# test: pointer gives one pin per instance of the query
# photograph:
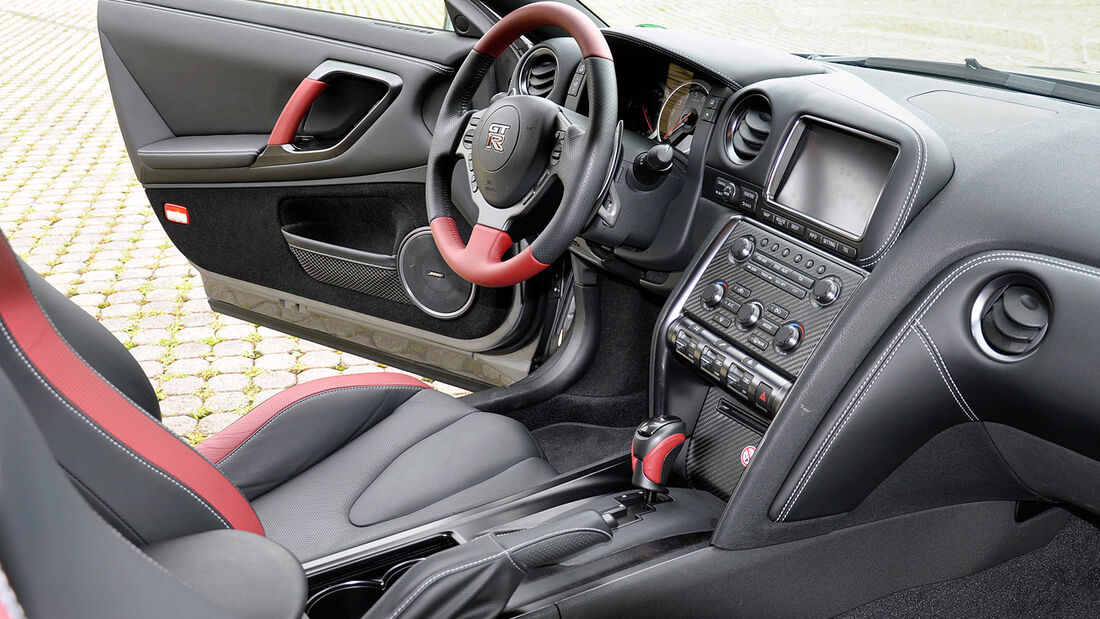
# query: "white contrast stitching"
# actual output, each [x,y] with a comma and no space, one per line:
[303,401]
[921,311]
[945,372]
[423,586]
[110,438]
[835,432]
[939,370]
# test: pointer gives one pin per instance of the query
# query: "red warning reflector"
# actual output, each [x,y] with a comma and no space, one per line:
[747,454]
[176,214]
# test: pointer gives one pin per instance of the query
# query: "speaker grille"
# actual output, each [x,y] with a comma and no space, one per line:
[365,278]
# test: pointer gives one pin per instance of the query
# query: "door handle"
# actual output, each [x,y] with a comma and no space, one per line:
[294,112]
[280,148]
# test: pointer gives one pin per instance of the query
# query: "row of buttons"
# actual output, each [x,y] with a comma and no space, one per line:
[831,244]
[797,259]
[781,283]
[727,365]
[728,192]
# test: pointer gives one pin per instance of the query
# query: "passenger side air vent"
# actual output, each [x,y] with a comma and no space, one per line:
[538,73]
[1011,317]
[749,128]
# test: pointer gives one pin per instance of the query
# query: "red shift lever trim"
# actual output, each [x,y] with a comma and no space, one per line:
[654,461]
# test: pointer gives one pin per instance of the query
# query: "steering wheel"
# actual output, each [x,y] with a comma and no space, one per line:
[514,148]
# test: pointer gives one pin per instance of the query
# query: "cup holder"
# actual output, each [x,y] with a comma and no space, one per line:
[353,598]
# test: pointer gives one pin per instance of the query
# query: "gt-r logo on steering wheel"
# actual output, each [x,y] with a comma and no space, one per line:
[496,136]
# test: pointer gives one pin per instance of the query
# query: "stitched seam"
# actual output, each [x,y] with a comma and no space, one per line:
[493,537]
[933,297]
[939,370]
[79,482]
[910,196]
[61,336]
[431,66]
[837,428]
[945,372]
[420,589]
[102,432]
[646,43]
[303,401]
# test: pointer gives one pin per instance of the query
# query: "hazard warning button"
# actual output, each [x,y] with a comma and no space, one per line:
[763,396]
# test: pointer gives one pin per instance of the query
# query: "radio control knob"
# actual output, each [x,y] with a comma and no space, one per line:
[750,314]
[789,336]
[742,248]
[826,290]
[714,294]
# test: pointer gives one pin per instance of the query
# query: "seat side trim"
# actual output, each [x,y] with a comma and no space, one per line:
[53,359]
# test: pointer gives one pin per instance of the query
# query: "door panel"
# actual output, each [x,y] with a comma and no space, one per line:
[301,230]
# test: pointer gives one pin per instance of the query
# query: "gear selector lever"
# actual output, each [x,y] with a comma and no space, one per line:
[657,442]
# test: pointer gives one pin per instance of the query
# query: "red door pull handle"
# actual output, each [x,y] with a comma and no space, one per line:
[295,111]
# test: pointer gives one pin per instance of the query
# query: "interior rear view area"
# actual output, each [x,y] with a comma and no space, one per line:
[730,331]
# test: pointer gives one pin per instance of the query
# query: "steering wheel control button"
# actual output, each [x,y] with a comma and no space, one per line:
[789,336]
[827,290]
[749,315]
[742,249]
[714,294]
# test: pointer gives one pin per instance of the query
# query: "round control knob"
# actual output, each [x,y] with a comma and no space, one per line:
[742,248]
[789,336]
[750,314]
[826,290]
[714,294]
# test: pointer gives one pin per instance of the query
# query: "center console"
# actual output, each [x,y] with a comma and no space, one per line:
[753,310]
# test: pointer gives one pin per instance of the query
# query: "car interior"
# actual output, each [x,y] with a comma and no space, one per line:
[746,333]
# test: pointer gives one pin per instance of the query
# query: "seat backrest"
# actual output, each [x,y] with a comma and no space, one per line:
[60,558]
[99,417]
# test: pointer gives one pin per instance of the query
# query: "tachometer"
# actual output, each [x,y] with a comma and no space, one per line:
[681,108]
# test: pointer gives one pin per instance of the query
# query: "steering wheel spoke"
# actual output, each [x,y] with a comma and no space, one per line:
[516,150]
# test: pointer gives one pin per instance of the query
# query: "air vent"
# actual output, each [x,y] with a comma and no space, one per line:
[749,129]
[538,73]
[1011,317]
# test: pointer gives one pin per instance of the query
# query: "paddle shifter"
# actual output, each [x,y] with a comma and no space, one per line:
[657,442]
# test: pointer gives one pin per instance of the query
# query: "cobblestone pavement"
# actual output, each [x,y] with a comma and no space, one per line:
[72,208]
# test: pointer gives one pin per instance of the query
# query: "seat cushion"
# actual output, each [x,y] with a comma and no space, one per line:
[432,457]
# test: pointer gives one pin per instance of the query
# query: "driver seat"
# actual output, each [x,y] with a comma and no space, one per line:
[321,467]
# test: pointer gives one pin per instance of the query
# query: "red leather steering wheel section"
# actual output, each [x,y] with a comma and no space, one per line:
[526,18]
[479,260]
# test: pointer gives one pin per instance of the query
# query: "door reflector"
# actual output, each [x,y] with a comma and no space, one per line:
[176,213]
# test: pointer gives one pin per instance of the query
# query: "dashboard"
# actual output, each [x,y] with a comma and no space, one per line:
[842,249]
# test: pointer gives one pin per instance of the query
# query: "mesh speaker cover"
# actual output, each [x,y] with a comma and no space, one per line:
[427,279]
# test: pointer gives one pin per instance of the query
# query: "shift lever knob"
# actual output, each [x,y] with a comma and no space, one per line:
[657,442]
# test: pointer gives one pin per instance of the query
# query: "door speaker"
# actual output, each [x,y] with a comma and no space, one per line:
[429,282]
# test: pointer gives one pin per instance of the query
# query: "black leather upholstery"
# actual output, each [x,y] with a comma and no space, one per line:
[430,458]
[62,560]
[336,468]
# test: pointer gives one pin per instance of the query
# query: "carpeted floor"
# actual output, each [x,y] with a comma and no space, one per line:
[1061,579]
[569,446]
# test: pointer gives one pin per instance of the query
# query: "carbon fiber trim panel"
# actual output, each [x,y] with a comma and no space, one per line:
[714,453]
[803,260]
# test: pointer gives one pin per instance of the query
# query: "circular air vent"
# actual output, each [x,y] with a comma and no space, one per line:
[538,73]
[1011,317]
[748,129]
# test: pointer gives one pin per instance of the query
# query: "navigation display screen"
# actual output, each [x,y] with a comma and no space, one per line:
[836,177]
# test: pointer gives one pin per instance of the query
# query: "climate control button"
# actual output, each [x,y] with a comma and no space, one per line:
[750,314]
[714,294]
[789,336]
